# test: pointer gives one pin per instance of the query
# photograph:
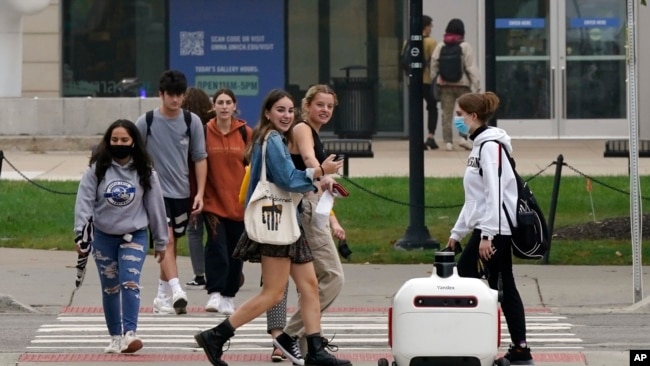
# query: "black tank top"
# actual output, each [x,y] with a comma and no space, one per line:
[319,151]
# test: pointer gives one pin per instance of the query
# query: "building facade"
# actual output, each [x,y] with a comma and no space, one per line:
[560,66]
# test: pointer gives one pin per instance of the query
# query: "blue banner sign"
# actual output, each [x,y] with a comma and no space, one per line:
[595,22]
[229,44]
[520,23]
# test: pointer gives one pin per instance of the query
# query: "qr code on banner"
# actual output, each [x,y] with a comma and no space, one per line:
[192,44]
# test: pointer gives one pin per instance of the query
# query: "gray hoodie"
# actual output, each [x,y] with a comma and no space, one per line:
[119,205]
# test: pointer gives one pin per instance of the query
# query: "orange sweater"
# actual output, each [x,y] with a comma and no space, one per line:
[225,170]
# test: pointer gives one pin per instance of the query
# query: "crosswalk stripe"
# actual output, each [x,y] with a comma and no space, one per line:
[360,332]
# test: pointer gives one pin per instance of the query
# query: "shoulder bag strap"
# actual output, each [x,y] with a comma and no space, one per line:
[263,175]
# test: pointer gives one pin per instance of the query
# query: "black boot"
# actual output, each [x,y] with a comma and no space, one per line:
[318,356]
[212,341]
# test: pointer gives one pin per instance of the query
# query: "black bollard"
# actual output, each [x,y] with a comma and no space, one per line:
[2,157]
[554,195]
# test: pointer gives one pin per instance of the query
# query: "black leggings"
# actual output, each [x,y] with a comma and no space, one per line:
[432,108]
[501,262]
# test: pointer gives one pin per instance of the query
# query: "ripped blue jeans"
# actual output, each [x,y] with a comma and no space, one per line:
[119,265]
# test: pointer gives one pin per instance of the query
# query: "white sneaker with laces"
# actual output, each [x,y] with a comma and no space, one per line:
[131,343]
[115,346]
[179,302]
[213,303]
[226,307]
[162,305]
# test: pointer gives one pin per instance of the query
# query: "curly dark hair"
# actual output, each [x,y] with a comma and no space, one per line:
[142,162]
[198,102]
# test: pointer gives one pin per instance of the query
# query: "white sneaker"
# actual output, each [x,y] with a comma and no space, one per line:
[131,343]
[179,302]
[213,303]
[162,305]
[465,143]
[449,146]
[115,346]
[226,307]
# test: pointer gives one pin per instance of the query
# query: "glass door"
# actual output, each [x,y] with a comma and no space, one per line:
[593,71]
[560,68]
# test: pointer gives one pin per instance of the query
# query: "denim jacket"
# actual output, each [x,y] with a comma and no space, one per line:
[279,167]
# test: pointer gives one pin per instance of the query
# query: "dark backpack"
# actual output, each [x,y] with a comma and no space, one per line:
[530,239]
[405,57]
[188,122]
[450,63]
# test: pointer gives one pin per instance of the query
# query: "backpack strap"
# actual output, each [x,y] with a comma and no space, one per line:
[187,115]
[480,170]
[149,118]
[243,133]
[500,171]
[188,122]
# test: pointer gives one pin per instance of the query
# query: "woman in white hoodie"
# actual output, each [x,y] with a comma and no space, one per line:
[490,190]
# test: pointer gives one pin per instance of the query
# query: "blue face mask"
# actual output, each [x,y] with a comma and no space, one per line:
[459,123]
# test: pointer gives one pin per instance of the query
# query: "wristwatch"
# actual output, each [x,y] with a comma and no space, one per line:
[487,237]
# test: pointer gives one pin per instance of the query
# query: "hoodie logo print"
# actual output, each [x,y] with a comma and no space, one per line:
[119,193]
[473,161]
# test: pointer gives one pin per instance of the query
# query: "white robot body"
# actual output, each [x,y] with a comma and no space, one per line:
[445,321]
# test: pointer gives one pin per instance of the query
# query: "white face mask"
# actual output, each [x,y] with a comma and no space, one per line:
[461,126]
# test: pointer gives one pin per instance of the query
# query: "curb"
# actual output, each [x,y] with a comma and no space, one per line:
[10,305]
[48,143]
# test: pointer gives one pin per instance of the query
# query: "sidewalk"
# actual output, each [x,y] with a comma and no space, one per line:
[43,280]
[391,159]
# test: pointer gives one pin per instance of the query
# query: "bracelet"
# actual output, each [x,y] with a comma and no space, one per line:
[322,170]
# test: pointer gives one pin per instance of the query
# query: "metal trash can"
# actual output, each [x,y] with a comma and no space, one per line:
[356,114]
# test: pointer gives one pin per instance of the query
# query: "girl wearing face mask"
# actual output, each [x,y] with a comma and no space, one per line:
[490,190]
[278,262]
[121,192]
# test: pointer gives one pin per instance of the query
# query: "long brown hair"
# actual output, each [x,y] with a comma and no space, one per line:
[198,102]
[264,125]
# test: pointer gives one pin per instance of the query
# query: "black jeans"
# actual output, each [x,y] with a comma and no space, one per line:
[501,262]
[222,271]
[432,108]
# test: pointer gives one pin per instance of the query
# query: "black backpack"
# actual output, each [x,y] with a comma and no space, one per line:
[405,57]
[188,122]
[450,63]
[530,239]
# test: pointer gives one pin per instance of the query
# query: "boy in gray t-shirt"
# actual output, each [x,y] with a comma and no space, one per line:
[173,145]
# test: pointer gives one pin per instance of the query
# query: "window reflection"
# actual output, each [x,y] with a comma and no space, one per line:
[523,59]
[595,67]
[106,41]
[523,88]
